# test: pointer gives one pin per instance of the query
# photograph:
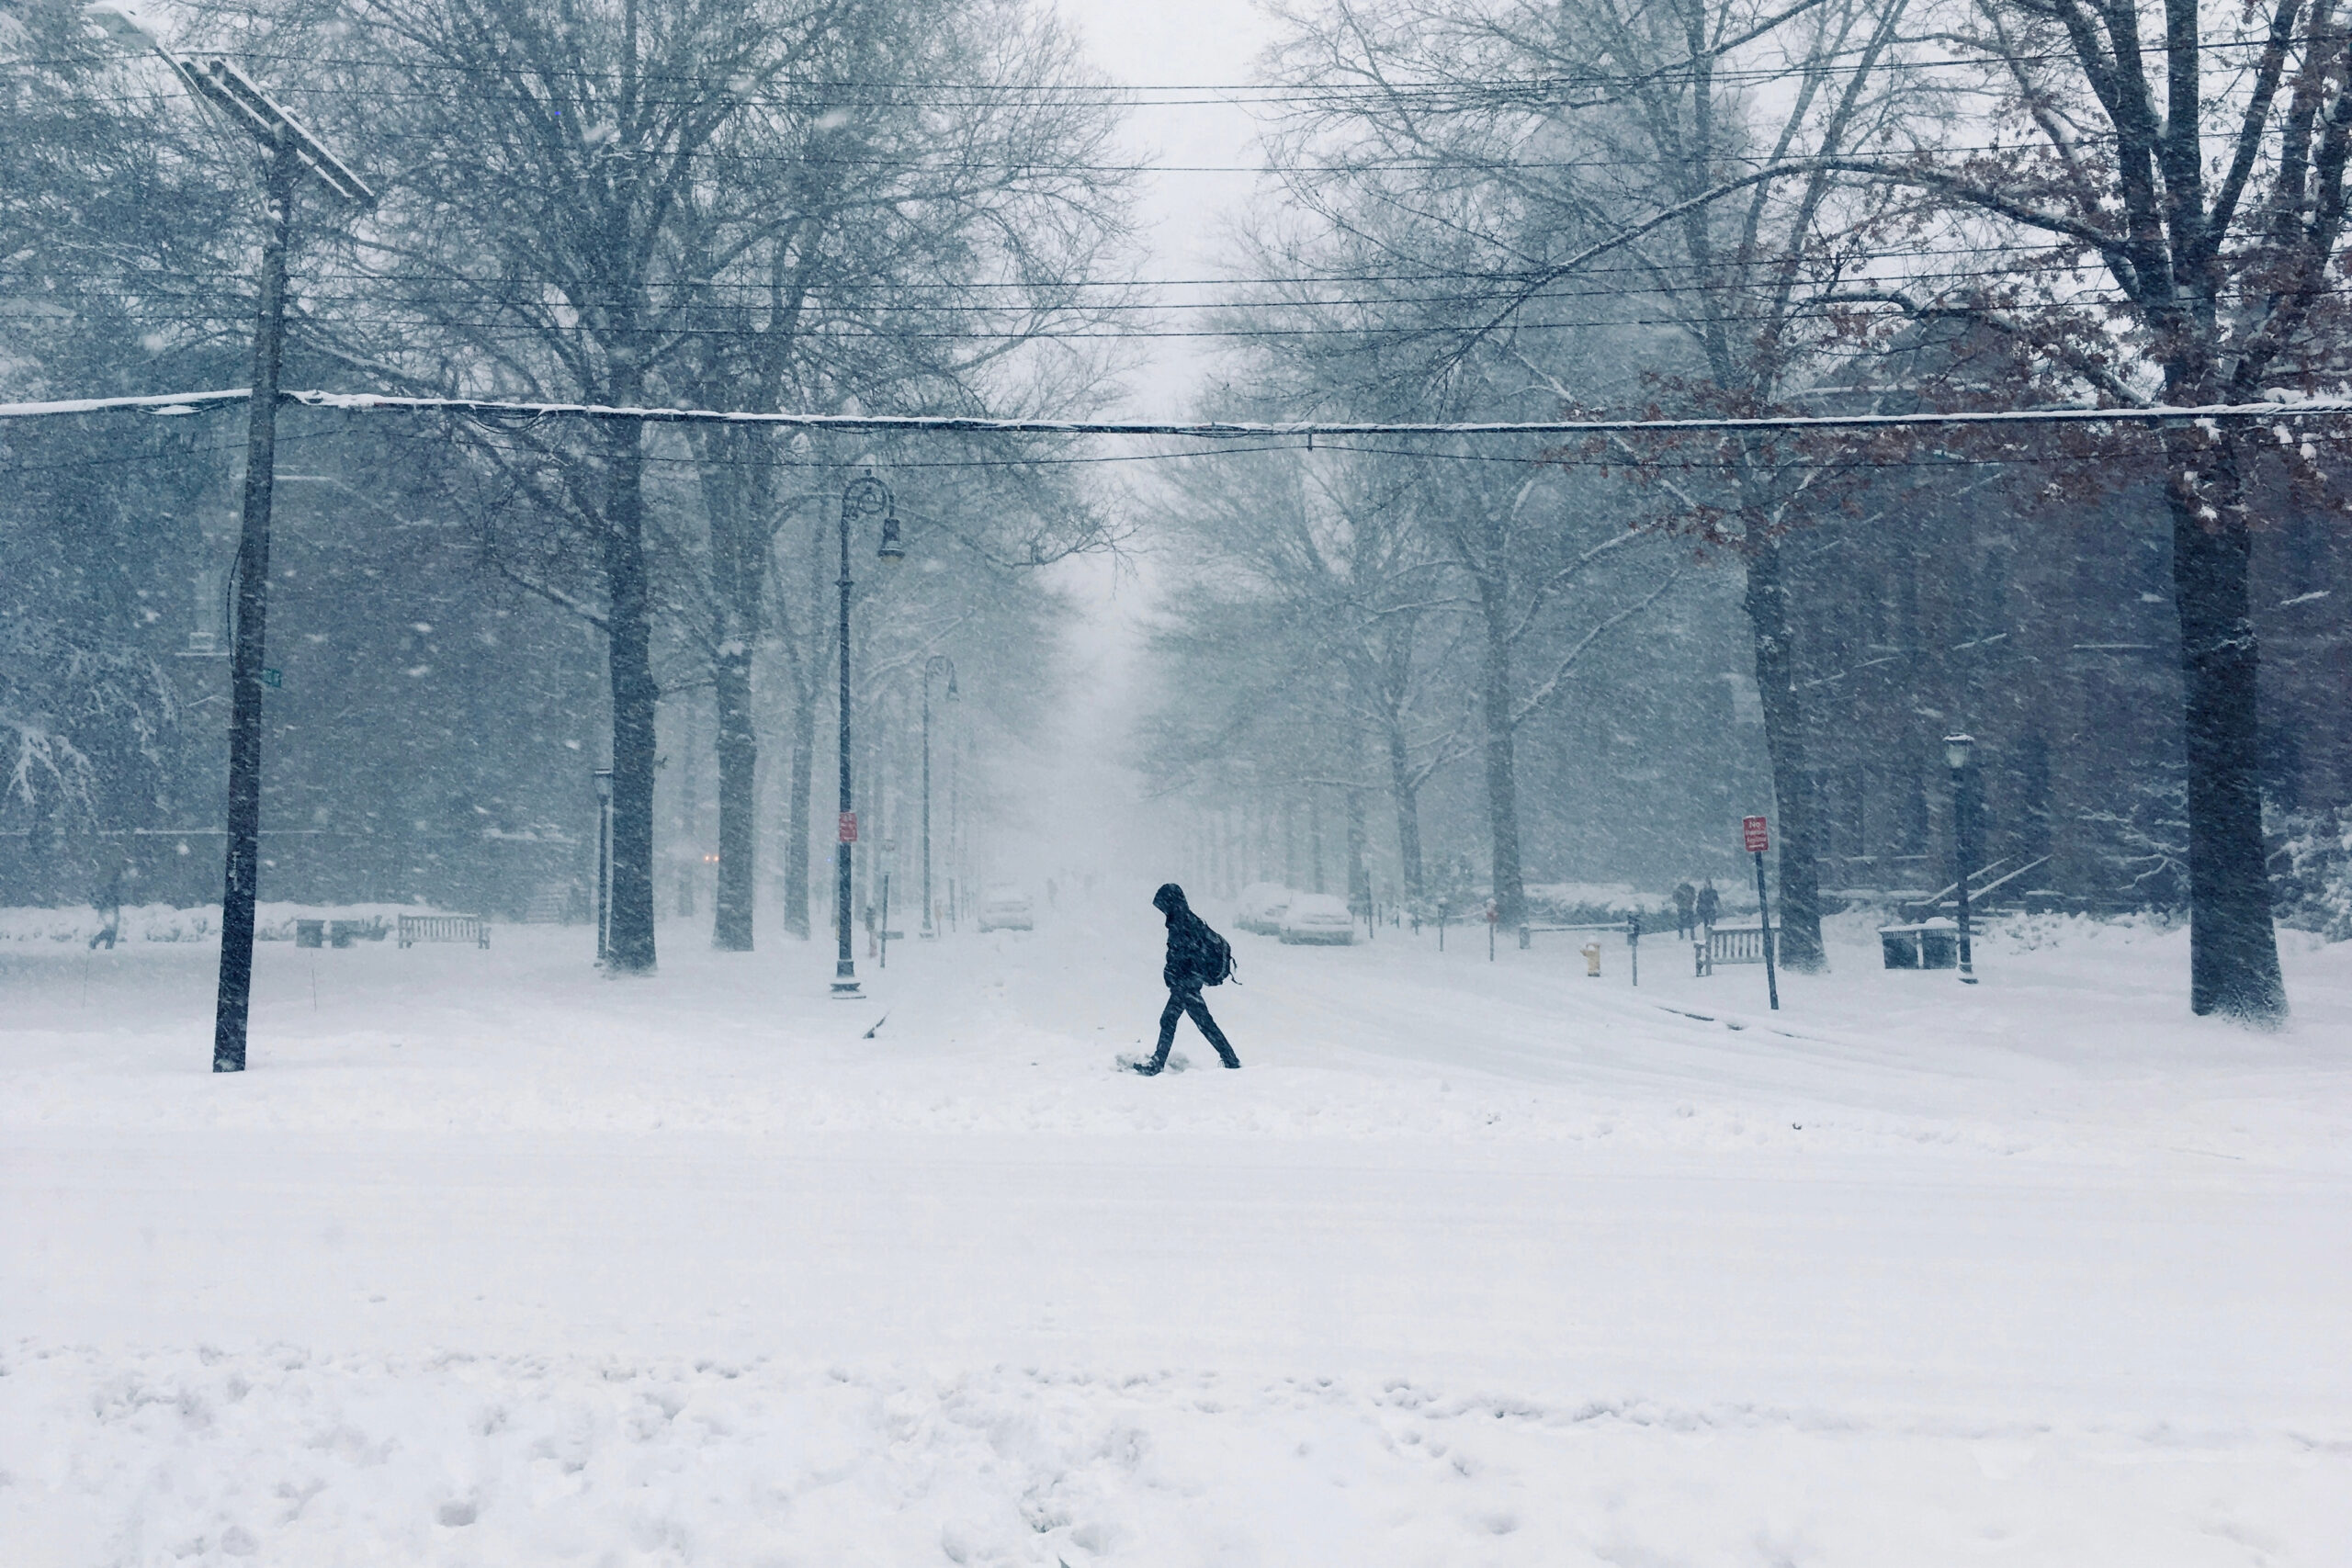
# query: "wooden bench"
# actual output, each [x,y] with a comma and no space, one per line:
[1729,944]
[444,928]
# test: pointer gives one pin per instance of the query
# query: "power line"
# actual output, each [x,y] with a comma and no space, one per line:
[1536,90]
[965,424]
[1489,280]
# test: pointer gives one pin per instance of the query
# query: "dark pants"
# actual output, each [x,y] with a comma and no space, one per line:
[1179,1004]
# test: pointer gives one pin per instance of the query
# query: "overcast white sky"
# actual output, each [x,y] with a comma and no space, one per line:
[1086,814]
[1155,42]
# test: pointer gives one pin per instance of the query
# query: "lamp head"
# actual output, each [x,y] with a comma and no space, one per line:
[866,496]
[953,695]
[1957,751]
[604,784]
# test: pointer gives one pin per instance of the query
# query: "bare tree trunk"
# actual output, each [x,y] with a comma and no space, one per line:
[1359,875]
[1315,836]
[736,502]
[1407,796]
[636,694]
[738,757]
[796,831]
[2232,948]
[1768,619]
[1502,776]
[689,809]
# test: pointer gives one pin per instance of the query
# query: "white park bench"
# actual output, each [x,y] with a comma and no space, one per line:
[444,928]
[1729,944]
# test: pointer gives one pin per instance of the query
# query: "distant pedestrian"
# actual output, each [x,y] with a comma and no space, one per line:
[1197,956]
[1685,898]
[107,896]
[1711,904]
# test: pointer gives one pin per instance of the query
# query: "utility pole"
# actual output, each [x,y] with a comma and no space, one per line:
[294,153]
[248,639]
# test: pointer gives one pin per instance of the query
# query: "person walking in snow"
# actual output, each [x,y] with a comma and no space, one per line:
[1197,956]
[108,899]
[1685,897]
[1711,904]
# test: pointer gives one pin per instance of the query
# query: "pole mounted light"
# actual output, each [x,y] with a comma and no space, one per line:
[268,121]
[295,153]
[1958,750]
[864,497]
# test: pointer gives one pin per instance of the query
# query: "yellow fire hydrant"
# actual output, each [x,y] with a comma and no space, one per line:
[1592,960]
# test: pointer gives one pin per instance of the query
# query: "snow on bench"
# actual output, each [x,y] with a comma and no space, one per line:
[444,928]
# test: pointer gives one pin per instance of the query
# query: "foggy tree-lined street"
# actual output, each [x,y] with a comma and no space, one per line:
[1734,612]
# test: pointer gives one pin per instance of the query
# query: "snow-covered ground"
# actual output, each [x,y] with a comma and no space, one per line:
[491,1261]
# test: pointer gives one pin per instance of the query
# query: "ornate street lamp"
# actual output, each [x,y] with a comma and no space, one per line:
[862,498]
[936,662]
[1958,749]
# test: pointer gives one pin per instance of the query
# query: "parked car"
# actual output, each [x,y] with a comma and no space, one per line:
[1260,908]
[1318,918]
[1006,910]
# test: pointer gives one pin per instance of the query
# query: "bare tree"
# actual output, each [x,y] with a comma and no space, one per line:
[1503,150]
[924,261]
[554,152]
[2196,155]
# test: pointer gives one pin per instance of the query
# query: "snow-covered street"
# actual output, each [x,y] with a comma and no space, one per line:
[487,1260]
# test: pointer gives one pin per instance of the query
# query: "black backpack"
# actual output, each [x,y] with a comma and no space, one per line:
[1218,960]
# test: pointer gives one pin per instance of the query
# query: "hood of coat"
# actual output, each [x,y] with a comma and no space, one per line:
[1169,900]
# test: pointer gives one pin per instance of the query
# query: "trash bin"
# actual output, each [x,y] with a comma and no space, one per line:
[310,933]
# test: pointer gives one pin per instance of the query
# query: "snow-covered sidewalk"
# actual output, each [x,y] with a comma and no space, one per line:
[489,1260]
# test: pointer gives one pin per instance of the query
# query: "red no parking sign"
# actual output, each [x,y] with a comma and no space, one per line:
[848,827]
[1751,829]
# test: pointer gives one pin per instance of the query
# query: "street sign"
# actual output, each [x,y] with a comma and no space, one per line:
[1752,830]
[273,679]
[848,827]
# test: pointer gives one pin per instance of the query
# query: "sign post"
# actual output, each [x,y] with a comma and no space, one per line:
[1634,942]
[1754,833]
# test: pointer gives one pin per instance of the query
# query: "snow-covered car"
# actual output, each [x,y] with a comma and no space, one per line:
[1006,910]
[1260,908]
[1318,918]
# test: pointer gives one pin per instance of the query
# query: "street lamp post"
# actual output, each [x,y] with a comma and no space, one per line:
[603,777]
[294,154]
[957,881]
[1957,751]
[935,662]
[863,497]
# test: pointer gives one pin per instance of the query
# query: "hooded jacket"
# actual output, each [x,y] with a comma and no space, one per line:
[1194,950]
